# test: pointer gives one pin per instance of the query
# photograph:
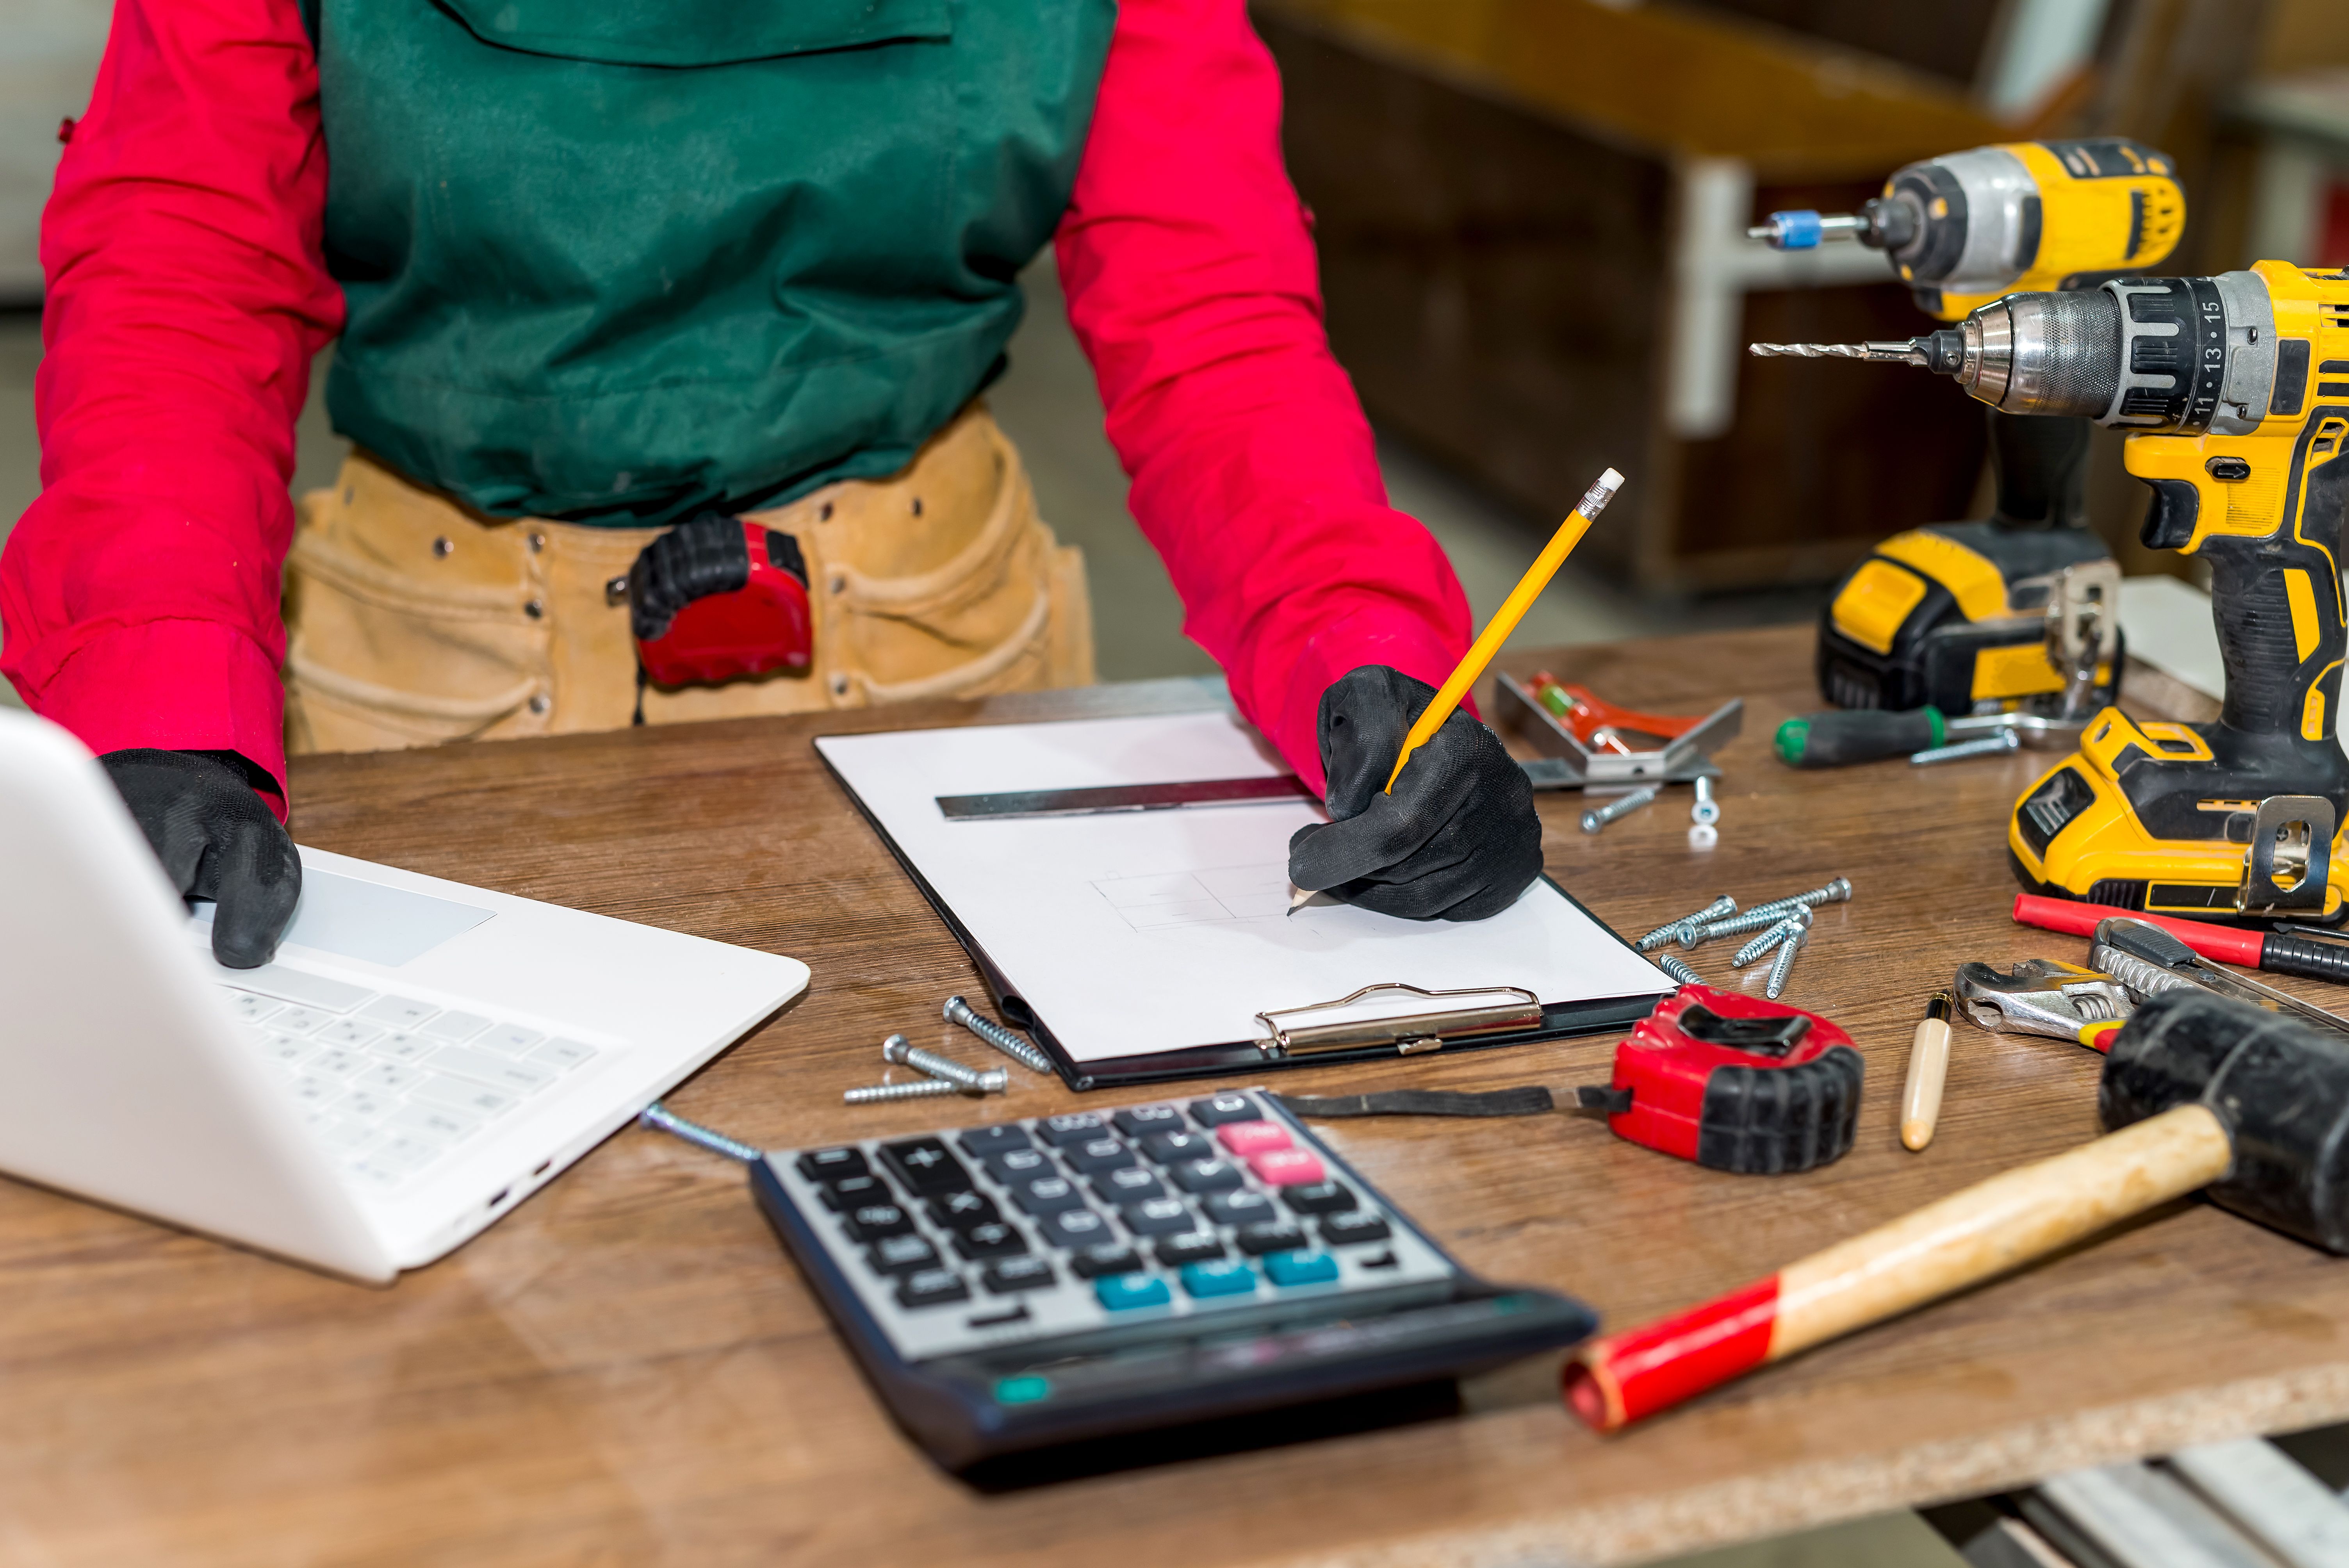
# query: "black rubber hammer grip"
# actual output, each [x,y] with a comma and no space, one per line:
[2280,1086]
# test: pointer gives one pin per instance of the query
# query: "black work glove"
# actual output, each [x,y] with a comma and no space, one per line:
[1457,839]
[711,554]
[217,840]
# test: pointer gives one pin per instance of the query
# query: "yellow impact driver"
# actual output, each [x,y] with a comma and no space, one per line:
[1951,616]
[2235,390]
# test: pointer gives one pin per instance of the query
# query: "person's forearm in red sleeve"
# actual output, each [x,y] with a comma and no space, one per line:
[186,295]
[1192,284]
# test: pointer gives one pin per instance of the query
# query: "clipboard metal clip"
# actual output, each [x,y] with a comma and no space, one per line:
[1495,1007]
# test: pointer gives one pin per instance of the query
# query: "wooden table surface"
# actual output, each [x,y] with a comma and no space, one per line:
[627,1371]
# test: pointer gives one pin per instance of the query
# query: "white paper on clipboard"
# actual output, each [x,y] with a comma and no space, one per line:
[1134,932]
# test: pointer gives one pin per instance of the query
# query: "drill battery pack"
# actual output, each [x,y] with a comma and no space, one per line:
[1953,616]
[2178,819]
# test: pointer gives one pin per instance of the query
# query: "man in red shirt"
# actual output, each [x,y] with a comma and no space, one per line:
[605,283]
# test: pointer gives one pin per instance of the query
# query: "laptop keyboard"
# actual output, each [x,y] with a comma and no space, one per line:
[389,1085]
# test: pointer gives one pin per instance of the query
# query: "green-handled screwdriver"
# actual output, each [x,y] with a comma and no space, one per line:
[1841,737]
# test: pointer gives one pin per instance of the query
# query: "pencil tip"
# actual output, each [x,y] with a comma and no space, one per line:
[1298,897]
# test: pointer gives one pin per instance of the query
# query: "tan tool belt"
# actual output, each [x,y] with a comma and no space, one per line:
[412,619]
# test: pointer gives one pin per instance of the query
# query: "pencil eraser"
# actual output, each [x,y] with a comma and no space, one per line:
[1611,482]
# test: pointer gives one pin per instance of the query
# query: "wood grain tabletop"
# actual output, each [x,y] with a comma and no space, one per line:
[627,1369]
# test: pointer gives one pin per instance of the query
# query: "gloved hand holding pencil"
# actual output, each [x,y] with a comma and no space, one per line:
[1430,818]
[1457,839]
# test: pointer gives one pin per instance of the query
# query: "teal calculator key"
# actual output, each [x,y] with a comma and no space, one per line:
[1121,1292]
[1024,1390]
[1226,1278]
[1301,1268]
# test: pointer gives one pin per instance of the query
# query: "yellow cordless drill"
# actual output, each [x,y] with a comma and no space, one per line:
[2223,384]
[1949,617]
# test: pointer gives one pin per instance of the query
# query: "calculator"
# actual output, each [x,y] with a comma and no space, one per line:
[1030,1283]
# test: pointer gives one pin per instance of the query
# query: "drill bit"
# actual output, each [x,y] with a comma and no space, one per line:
[1912,352]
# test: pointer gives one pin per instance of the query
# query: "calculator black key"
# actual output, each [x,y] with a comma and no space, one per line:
[925,1164]
[1073,1127]
[1097,1154]
[960,1211]
[1015,1164]
[854,1191]
[871,1221]
[981,1142]
[1130,1185]
[1075,1228]
[1192,1247]
[1157,1217]
[1141,1121]
[1207,1176]
[1046,1195]
[993,1240]
[1240,1208]
[831,1164]
[1218,1108]
[1278,1236]
[932,1287]
[1339,1230]
[901,1254]
[1171,1147]
[1018,1274]
[1318,1197]
[1108,1258]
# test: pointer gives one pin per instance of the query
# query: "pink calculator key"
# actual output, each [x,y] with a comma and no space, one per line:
[1287,1166]
[1246,1137]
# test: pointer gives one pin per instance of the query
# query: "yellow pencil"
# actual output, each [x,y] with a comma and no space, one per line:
[1496,630]
[1504,619]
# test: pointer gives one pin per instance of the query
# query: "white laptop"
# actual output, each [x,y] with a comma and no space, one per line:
[418,1058]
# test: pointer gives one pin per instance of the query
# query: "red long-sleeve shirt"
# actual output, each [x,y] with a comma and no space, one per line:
[188,295]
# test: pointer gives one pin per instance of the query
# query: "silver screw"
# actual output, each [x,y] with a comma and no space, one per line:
[1760,917]
[1791,927]
[1598,817]
[919,1088]
[2005,740]
[1683,929]
[897,1048]
[994,1034]
[1704,812]
[1783,964]
[659,1115]
[1677,970]
[1761,914]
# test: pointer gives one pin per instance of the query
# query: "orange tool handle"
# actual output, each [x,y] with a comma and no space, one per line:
[1591,713]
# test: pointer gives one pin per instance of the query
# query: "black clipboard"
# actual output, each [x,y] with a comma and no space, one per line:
[1556,1022]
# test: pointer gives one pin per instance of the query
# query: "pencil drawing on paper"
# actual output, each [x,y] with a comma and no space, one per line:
[1199,898]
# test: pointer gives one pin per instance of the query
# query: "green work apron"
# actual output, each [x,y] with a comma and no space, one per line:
[616,262]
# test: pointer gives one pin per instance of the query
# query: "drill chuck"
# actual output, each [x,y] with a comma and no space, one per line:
[2185,354]
[2043,353]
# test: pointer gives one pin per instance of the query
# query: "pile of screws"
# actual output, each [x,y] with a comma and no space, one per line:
[1784,925]
[942,1075]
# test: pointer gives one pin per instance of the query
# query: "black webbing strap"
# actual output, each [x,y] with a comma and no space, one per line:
[1528,1099]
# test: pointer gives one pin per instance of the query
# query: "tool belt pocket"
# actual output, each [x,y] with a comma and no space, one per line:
[944,583]
[408,622]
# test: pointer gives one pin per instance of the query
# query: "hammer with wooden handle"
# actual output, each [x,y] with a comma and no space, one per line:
[2203,1092]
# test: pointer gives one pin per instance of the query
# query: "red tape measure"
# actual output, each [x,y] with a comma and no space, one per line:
[750,615]
[1735,1083]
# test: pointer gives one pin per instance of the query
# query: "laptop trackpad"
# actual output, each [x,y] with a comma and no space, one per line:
[370,922]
